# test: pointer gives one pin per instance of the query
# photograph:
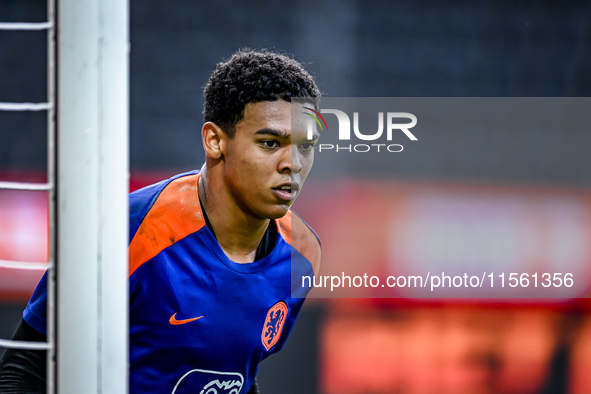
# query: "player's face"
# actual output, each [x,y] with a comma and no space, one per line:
[269,158]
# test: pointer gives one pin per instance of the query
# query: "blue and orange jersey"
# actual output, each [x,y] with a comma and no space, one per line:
[200,322]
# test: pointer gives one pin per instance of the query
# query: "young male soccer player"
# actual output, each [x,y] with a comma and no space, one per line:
[212,252]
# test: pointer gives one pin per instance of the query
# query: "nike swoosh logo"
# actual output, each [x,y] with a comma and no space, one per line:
[176,322]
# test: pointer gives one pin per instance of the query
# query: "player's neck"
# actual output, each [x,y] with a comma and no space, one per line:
[238,233]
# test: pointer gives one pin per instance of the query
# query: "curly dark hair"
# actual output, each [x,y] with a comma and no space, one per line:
[251,76]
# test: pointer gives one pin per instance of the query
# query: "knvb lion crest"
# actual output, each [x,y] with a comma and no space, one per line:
[274,323]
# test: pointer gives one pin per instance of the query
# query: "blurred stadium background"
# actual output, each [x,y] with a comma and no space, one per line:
[367,49]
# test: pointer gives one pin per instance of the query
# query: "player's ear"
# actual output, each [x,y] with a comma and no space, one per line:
[213,140]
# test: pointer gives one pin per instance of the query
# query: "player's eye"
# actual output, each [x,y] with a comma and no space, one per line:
[270,144]
[307,147]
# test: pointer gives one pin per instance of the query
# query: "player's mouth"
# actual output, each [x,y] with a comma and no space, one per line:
[287,191]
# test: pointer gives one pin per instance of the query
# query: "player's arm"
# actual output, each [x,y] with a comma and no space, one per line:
[254,389]
[24,371]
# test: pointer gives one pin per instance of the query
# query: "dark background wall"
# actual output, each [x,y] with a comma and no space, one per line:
[353,47]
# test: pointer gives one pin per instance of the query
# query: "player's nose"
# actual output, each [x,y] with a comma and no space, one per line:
[291,161]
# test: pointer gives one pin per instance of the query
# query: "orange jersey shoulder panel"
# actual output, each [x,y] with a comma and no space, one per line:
[301,237]
[175,214]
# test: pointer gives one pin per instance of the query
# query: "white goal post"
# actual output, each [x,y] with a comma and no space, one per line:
[90,330]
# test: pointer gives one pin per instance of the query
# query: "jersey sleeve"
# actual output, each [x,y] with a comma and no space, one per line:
[35,314]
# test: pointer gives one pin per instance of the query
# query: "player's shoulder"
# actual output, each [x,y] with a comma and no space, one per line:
[162,214]
[301,237]
[143,200]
